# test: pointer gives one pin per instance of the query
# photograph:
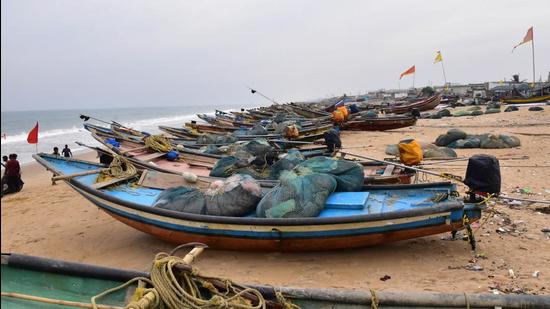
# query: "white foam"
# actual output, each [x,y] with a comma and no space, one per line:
[22,137]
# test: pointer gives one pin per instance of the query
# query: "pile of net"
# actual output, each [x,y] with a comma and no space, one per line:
[207,139]
[257,129]
[456,138]
[303,191]
[251,158]
[235,196]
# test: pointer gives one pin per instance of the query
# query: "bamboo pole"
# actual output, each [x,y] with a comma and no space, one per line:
[68,176]
[443,175]
[56,301]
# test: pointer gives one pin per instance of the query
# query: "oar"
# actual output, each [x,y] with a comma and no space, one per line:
[443,175]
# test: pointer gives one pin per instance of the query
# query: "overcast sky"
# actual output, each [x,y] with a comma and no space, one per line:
[122,53]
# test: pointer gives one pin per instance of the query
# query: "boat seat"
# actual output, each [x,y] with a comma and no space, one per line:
[347,200]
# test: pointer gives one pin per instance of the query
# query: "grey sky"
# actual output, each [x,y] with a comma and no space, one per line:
[95,53]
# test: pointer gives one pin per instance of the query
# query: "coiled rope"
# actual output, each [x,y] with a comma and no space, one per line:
[158,143]
[176,284]
[120,167]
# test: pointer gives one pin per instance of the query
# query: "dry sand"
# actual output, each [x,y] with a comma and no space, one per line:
[56,222]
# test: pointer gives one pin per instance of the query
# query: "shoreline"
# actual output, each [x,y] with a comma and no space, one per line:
[56,222]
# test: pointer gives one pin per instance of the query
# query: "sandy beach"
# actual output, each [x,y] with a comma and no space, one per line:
[56,222]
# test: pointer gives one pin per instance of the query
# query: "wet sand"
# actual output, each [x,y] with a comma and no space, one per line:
[56,222]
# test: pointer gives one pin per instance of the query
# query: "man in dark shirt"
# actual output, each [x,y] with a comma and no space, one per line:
[13,175]
[66,152]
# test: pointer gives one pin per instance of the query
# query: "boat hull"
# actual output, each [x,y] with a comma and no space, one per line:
[527,101]
[283,237]
[423,105]
[379,124]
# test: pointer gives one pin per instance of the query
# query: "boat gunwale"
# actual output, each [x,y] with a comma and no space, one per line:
[339,295]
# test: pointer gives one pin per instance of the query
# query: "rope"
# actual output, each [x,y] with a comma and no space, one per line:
[120,167]
[373,300]
[174,286]
[489,215]
[158,143]
[56,301]
[467,300]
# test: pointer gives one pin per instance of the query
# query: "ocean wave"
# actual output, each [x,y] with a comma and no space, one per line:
[22,137]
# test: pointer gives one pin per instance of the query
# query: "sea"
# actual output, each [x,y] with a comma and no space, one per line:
[58,128]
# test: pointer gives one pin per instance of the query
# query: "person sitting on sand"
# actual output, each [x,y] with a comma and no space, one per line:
[67,152]
[56,151]
[13,175]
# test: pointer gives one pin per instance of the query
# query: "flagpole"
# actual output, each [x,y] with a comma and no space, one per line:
[533,49]
[414,76]
[444,77]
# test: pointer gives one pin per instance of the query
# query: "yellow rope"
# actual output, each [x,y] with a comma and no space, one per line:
[373,300]
[489,215]
[120,167]
[174,287]
[158,143]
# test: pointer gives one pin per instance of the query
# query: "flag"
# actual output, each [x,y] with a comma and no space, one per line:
[527,38]
[33,135]
[411,70]
[438,57]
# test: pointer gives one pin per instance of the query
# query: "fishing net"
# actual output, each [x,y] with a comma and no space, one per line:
[286,163]
[451,136]
[235,196]
[207,139]
[297,196]
[348,175]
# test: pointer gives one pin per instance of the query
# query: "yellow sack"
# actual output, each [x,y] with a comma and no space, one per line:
[410,152]
[344,111]
[292,131]
[338,117]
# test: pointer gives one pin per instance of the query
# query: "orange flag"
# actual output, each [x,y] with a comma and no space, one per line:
[411,70]
[527,38]
[33,135]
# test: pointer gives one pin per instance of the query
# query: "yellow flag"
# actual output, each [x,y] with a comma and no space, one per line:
[438,57]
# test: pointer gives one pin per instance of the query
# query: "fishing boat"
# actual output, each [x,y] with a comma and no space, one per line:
[379,124]
[536,99]
[37,282]
[377,215]
[422,105]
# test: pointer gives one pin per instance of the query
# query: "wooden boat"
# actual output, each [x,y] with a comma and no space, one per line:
[527,100]
[386,214]
[191,160]
[309,112]
[379,124]
[422,105]
[43,278]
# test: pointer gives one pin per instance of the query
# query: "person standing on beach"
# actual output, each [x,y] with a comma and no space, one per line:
[13,175]
[4,161]
[67,152]
[56,151]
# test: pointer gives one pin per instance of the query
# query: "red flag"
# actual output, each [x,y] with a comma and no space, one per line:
[411,70]
[527,38]
[33,135]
